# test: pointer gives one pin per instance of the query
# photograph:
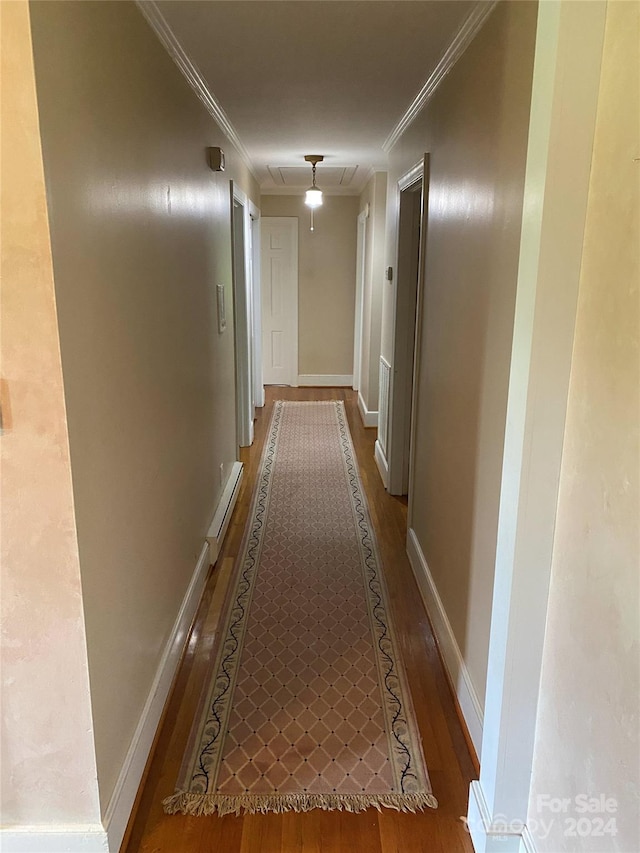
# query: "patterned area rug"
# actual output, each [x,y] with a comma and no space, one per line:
[307,705]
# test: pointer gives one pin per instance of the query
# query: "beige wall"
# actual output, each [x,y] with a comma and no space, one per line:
[375,195]
[587,730]
[475,128]
[140,238]
[326,281]
[48,762]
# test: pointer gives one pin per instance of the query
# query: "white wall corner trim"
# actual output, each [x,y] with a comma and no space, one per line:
[123,797]
[499,836]
[461,41]
[71,838]
[527,844]
[369,418]
[224,511]
[192,75]
[325,380]
[451,654]
[381,462]
[565,89]
[384,379]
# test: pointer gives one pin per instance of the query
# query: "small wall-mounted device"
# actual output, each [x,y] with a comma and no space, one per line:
[215,159]
[222,315]
[389,273]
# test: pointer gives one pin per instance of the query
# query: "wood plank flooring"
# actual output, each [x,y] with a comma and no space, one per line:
[450,765]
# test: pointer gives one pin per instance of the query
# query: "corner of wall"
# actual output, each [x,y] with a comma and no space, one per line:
[46,699]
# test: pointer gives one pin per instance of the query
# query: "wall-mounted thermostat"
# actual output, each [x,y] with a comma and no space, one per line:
[215,159]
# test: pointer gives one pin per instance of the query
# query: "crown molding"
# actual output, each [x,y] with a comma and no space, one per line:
[461,41]
[192,75]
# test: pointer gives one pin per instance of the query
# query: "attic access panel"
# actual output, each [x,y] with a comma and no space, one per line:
[300,176]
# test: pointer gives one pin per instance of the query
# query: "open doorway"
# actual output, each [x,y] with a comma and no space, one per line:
[243,315]
[256,289]
[361,263]
[413,191]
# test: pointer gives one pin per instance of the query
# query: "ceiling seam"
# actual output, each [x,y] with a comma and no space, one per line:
[337,191]
[194,78]
[470,27]
[342,175]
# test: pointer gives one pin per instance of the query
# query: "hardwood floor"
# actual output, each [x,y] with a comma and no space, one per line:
[449,762]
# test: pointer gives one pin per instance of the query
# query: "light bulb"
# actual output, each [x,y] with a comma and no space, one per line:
[313,197]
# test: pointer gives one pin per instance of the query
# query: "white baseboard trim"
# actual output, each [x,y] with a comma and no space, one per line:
[124,795]
[369,419]
[451,654]
[497,838]
[382,464]
[325,380]
[81,838]
[224,511]
[97,839]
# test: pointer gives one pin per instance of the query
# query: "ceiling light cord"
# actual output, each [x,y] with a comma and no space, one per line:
[313,196]
[313,186]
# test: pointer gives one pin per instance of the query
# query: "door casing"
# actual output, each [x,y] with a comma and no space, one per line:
[413,192]
[243,313]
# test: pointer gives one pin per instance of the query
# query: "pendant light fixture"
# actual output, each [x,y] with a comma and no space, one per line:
[313,196]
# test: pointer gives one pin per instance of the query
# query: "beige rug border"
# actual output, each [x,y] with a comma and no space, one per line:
[198,804]
[199,719]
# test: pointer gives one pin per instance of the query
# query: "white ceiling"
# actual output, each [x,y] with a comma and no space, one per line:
[329,77]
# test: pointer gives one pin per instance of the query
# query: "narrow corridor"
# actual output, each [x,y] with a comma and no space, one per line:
[450,764]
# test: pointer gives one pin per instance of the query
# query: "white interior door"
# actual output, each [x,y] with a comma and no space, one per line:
[279,280]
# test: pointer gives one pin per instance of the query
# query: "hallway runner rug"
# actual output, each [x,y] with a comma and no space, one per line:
[307,705]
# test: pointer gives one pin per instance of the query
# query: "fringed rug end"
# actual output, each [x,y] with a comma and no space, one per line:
[207,804]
